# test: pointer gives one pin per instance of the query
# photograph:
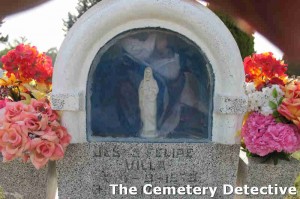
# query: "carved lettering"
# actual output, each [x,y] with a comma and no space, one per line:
[144,165]
[116,152]
[132,165]
[189,152]
[135,153]
[104,152]
[141,166]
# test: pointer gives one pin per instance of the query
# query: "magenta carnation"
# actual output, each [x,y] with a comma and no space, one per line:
[262,135]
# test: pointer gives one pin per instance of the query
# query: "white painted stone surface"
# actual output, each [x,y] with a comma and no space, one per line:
[109,18]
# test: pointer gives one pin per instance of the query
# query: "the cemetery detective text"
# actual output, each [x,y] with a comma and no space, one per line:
[149,189]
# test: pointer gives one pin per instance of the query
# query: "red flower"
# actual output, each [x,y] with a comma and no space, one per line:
[26,63]
[264,69]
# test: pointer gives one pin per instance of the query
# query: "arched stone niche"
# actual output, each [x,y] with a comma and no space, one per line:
[110,18]
[184,80]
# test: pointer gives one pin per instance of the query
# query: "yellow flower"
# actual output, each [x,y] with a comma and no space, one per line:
[8,81]
[27,98]
[38,90]
[296,155]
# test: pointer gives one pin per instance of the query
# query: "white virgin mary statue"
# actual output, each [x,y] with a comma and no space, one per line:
[148,91]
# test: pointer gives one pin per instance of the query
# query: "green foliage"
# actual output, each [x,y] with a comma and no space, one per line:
[244,41]
[274,156]
[274,105]
[1,193]
[52,52]
[3,39]
[82,7]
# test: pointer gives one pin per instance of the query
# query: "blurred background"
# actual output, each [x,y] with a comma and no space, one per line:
[45,27]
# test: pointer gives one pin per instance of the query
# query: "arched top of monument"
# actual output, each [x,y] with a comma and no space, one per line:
[110,18]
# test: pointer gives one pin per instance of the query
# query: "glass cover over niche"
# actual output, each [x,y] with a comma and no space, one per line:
[150,83]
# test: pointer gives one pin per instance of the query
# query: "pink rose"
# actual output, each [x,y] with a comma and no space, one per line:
[2,117]
[14,142]
[45,151]
[53,116]
[45,148]
[14,110]
[30,121]
[63,135]
[47,134]
[2,103]
[35,122]
[38,160]
[42,106]
[58,153]
[41,152]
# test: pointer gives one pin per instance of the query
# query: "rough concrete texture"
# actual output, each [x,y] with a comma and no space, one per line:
[88,169]
[22,181]
[254,173]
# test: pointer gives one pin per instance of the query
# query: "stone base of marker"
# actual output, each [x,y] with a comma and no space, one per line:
[23,181]
[88,169]
[254,173]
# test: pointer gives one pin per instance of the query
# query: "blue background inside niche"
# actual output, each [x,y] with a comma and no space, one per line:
[184,77]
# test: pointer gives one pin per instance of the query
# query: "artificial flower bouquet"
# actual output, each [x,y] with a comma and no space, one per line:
[29,128]
[271,128]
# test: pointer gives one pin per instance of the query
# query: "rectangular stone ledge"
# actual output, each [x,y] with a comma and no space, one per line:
[253,172]
[22,181]
[231,104]
[71,101]
[88,169]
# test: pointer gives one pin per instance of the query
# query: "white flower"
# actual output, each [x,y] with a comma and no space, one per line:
[259,100]
[249,88]
[266,110]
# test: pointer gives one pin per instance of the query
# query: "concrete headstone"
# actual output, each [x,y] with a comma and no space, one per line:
[88,170]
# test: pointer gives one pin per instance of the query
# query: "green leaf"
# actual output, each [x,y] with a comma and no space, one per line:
[278,120]
[280,100]
[276,114]
[266,158]
[275,160]
[272,105]
[274,93]
[283,156]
